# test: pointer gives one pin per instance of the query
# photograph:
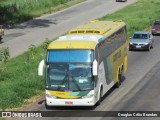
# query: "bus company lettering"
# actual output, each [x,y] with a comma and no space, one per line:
[60,93]
[116,56]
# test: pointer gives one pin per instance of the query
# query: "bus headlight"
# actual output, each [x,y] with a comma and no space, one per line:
[50,96]
[88,96]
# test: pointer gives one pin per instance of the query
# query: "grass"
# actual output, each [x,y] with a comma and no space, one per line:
[15,11]
[19,80]
[138,16]
[2,119]
[18,77]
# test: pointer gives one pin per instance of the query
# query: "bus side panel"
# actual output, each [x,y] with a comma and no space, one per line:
[125,56]
[102,78]
[108,70]
[115,64]
[119,58]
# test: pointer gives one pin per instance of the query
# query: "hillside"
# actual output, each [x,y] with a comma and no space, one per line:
[15,11]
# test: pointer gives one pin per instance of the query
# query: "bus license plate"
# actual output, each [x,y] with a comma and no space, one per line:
[68,103]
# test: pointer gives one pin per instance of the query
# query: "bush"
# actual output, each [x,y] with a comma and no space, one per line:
[4,54]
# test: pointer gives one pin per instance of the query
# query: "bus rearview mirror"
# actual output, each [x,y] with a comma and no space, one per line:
[94,68]
[40,68]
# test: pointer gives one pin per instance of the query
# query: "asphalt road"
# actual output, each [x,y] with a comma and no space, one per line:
[138,92]
[35,31]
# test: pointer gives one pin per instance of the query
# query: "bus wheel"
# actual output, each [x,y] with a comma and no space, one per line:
[119,81]
[121,77]
[47,107]
[100,97]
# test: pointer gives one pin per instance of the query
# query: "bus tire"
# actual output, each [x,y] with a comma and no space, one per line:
[47,107]
[100,97]
[118,83]
[121,77]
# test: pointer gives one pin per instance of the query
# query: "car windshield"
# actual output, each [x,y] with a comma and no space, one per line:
[140,36]
[157,23]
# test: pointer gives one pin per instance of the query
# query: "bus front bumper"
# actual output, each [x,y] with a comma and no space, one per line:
[70,102]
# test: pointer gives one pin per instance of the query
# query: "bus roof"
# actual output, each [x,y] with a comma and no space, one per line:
[98,27]
[87,36]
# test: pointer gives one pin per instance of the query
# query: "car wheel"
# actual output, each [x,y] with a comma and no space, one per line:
[153,34]
[149,47]
[130,49]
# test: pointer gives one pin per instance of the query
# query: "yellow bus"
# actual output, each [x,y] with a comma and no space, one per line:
[84,64]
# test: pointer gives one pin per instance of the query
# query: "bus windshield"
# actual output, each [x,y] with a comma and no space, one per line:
[67,75]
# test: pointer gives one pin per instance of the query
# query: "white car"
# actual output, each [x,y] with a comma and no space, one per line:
[141,40]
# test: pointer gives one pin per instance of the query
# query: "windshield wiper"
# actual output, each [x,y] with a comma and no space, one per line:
[75,83]
[75,90]
[88,89]
[64,80]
